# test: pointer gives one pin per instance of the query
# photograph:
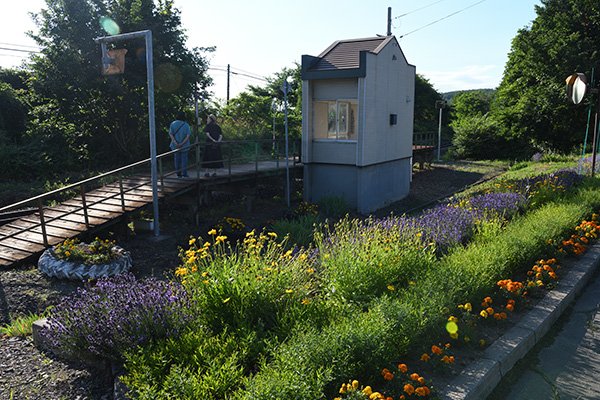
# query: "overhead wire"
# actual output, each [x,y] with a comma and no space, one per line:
[418,9]
[441,19]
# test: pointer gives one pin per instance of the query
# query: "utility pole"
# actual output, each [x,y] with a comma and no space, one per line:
[228,74]
[389,22]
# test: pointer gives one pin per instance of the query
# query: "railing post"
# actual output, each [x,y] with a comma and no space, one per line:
[256,157]
[43,222]
[277,155]
[230,156]
[122,193]
[162,176]
[85,213]
[198,159]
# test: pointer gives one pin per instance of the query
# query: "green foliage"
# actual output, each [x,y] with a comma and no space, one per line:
[103,120]
[253,112]
[20,326]
[96,252]
[531,105]
[333,206]
[425,113]
[300,230]
[477,137]
[363,261]
[196,366]
[12,115]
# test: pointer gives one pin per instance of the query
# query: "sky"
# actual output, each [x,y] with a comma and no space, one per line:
[455,44]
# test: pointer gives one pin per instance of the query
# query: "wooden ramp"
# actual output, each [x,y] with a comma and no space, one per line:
[29,235]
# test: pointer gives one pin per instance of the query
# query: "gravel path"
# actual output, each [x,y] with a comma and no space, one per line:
[26,373]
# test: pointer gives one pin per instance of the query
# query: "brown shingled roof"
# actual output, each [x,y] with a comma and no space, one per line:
[344,54]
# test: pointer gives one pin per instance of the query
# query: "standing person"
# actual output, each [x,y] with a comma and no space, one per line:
[213,158]
[179,132]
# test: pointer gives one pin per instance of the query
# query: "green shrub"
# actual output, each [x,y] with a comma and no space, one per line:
[195,366]
[363,260]
[300,230]
[333,206]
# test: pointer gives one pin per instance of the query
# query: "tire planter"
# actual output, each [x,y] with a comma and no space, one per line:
[63,269]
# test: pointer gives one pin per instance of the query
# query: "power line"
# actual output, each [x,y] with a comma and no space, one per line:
[418,9]
[238,73]
[20,50]
[443,18]
[19,45]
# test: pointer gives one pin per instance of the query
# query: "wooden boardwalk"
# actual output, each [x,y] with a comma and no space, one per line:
[29,235]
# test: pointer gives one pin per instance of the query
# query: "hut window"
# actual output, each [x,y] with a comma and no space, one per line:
[334,120]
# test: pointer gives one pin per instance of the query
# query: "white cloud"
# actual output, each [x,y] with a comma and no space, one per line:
[465,78]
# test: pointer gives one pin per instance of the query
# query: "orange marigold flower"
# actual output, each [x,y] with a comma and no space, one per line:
[409,389]
[421,380]
[402,397]
[414,376]
[446,359]
[425,357]
[503,315]
[489,310]
[388,376]
[402,368]
[420,392]
[436,350]
[510,307]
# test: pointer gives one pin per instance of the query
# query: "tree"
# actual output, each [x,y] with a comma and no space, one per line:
[531,107]
[252,111]
[426,115]
[103,120]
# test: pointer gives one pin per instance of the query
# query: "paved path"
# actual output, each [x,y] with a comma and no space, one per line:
[566,363]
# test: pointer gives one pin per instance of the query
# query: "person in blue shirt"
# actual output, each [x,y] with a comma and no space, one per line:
[179,132]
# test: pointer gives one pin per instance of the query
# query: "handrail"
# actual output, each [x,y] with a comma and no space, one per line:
[86,204]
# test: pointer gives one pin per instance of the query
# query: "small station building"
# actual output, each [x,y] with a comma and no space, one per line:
[357,123]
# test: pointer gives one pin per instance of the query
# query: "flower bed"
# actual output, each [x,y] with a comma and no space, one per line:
[81,261]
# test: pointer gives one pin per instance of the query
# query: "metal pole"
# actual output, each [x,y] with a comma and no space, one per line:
[147,34]
[595,137]
[152,125]
[389,22]
[228,74]
[287,161]
[439,135]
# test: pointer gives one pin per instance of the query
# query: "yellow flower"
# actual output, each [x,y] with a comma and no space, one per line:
[355,384]
[181,271]
[221,238]
[305,301]
[212,232]
[192,241]
[226,300]
[289,291]
[367,390]
[391,288]
[483,314]
[272,234]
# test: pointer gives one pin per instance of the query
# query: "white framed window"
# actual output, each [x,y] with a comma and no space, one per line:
[335,120]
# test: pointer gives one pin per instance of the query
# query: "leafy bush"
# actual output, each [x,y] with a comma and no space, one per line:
[116,315]
[196,365]
[300,230]
[333,206]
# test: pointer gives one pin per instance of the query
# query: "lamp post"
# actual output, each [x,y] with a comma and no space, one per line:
[286,88]
[147,35]
[274,111]
[440,104]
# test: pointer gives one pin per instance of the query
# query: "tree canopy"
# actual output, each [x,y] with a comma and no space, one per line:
[103,119]
[531,106]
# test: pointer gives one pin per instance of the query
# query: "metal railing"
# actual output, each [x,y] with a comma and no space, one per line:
[235,152]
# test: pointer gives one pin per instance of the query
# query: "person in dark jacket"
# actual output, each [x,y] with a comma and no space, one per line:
[213,158]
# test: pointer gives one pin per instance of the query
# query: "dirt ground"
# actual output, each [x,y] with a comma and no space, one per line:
[26,373]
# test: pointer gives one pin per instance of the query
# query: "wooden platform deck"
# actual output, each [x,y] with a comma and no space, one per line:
[23,238]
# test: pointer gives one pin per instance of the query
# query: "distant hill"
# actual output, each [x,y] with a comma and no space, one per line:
[448,96]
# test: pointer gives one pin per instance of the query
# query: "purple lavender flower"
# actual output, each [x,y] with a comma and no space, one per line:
[117,314]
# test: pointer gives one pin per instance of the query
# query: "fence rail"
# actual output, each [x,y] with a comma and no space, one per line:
[79,199]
